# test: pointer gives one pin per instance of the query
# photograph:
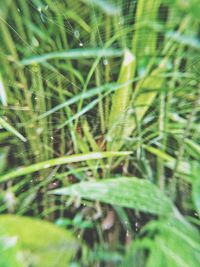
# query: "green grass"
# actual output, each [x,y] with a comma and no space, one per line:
[92,95]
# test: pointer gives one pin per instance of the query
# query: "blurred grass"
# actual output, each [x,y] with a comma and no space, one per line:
[84,78]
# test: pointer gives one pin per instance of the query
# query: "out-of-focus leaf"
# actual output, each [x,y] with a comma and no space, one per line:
[171,242]
[133,193]
[39,243]
[196,186]
[3,157]
[8,252]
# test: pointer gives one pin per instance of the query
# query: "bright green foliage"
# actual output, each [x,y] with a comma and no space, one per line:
[35,243]
[91,89]
[169,243]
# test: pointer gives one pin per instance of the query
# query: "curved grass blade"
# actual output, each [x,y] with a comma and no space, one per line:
[79,53]
[126,192]
[60,161]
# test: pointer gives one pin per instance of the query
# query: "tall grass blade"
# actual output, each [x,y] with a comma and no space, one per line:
[121,102]
[60,161]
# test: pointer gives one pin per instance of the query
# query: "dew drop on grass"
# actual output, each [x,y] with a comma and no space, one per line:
[108,138]
[78,236]
[47,166]
[127,233]
[35,42]
[121,21]
[136,226]
[76,34]
[105,62]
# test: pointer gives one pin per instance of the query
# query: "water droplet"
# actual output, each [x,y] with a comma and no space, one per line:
[35,42]
[121,21]
[136,226]
[81,44]
[130,111]
[109,139]
[76,34]
[105,62]
[127,233]
[39,131]
[47,166]
[78,236]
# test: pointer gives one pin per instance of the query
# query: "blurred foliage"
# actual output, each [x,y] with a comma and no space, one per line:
[99,133]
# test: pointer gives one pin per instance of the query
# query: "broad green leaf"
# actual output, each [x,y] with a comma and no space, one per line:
[130,192]
[180,244]
[39,243]
[169,242]
[8,251]
[60,161]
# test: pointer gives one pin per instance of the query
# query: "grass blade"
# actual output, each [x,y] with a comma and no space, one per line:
[74,54]
[121,101]
[60,161]
[11,129]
